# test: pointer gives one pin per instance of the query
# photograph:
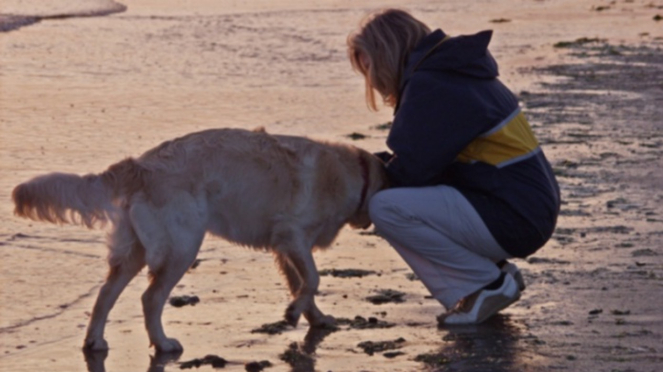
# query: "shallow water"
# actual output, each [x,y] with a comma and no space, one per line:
[19,13]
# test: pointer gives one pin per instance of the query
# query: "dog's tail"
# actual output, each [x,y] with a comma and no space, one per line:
[86,200]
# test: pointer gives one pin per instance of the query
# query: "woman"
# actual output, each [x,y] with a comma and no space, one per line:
[471,186]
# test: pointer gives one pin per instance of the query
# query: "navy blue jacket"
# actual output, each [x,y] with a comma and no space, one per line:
[457,124]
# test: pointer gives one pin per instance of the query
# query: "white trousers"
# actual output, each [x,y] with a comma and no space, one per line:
[441,237]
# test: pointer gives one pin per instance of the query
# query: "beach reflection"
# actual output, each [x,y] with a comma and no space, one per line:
[159,361]
[491,346]
[95,360]
[300,356]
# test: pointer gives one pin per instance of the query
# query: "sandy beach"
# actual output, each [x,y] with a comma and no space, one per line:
[84,84]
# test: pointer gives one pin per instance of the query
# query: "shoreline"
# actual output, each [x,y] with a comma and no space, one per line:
[17,15]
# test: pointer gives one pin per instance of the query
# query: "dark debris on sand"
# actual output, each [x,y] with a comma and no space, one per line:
[356,136]
[384,296]
[360,322]
[272,328]
[372,347]
[384,126]
[393,354]
[179,301]
[346,273]
[213,360]
[257,366]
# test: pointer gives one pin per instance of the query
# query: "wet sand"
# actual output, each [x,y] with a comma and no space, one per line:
[78,94]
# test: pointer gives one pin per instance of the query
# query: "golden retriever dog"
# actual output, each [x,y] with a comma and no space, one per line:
[285,194]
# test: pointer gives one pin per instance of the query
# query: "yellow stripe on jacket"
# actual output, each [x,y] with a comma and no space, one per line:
[510,141]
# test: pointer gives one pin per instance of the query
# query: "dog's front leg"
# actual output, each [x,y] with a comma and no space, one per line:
[302,266]
[291,274]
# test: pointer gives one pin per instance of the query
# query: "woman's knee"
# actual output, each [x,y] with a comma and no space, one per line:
[383,207]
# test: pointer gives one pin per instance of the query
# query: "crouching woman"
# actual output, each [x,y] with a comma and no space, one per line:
[471,185]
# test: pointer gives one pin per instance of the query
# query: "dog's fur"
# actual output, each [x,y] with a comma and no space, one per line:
[281,193]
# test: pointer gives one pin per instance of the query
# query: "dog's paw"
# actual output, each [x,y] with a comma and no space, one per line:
[325,321]
[98,344]
[168,345]
[292,315]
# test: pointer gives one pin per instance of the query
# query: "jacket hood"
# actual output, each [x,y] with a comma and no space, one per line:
[467,54]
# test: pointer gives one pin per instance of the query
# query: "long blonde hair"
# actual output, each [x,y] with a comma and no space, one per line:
[379,50]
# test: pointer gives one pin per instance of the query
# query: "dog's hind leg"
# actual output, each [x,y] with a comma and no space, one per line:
[172,239]
[155,297]
[127,258]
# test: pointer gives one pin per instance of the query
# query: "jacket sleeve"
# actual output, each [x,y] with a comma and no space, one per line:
[435,121]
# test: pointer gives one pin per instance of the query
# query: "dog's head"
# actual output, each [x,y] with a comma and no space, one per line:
[375,179]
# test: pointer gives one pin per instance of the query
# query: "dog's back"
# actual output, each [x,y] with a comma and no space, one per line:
[252,184]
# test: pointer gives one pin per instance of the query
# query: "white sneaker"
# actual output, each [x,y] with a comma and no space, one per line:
[515,273]
[483,304]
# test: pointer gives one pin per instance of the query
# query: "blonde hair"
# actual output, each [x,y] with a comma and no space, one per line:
[379,50]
